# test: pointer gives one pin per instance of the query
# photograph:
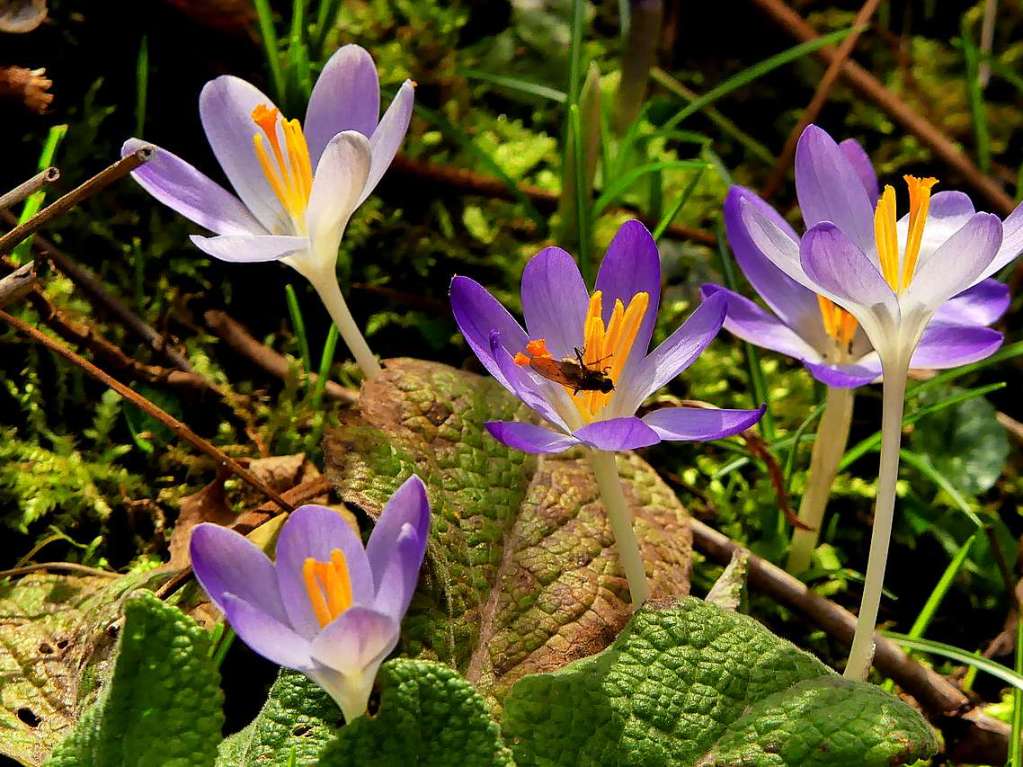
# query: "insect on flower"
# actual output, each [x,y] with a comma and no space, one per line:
[577,374]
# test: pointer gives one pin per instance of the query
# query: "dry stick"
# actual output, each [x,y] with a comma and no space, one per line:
[172,423]
[871,88]
[935,693]
[820,96]
[470,182]
[63,204]
[70,567]
[97,294]
[25,188]
[18,283]
[234,334]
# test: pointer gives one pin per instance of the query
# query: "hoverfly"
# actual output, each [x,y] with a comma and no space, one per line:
[574,374]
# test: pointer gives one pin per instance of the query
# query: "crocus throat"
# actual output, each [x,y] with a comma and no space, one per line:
[287,168]
[328,586]
[898,272]
[838,323]
[606,348]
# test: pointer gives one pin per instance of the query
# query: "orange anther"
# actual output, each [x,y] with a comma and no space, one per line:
[521,359]
[537,348]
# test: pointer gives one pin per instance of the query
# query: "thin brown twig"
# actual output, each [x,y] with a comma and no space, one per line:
[172,423]
[32,185]
[299,494]
[979,735]
[70,567]
[470,182]
[234,334]
[18,283]
[871,88]
[820,97]
[95,291]
[63,204]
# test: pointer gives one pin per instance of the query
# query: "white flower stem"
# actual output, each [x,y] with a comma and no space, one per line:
[861,655]
[330,294]
[828,449]
[606,473]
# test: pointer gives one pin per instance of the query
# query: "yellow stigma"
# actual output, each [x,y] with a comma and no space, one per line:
[838,323]
[289,170]
[898,272]
[608,346]
[328,586]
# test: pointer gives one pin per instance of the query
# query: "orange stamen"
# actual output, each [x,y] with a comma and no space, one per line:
[288,169]
[328,586]
[537,348]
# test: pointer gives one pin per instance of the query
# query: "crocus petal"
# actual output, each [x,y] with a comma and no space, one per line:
[1012,243]
[982,304]
[348,653]
[400,574]
[346,97]
[749,322]
[696,424]
[337,185]
[833,261]
[478,314]
[184,189]
[957,263]
[538,393]
[947,346]
[774,242]
[626,433]
[387,138]
[794,304]
[409,506]
[225,562]
[830,189]
[555,301]
[529,438]
[848,375]
[315,531]
[269,637]
[678,351]
[947,213]
[864,168]
[225,108]
[631,265]
[249,249]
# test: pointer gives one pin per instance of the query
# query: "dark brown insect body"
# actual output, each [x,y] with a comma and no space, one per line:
[574,374]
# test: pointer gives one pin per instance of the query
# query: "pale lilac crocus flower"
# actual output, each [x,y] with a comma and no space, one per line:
[611,329]
[295,188]
[327,607]
[826,338]
[894,277]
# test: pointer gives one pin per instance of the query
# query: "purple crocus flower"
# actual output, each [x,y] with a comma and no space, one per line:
[861,281]
[295,189]
[837,183]
[327,606]
[611,330]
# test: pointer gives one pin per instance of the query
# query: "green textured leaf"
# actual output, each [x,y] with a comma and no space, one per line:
[522,574]
[965,443]
[296,722]
[54,645]
[163,703]
[692,685]
[429,716]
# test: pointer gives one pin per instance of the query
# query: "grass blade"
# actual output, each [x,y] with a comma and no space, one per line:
[683,198]
[582,194]
[298,323]
[326,18]
[754,72]
[141,86]
[923,464]
[930,608]
[973,659]
[34,201]
[326,361]
[1016,741]
[622,184]
[978,109]
[264,16]
[517,84]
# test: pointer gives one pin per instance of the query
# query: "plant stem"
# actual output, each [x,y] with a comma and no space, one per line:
[606,473]
[894,396]
[828,449]
[330,294]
